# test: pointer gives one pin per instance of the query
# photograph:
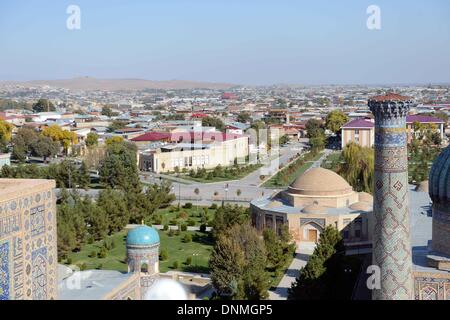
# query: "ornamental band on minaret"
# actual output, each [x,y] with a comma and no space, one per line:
[391,237]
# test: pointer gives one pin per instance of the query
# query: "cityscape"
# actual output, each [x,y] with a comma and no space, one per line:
[128,186]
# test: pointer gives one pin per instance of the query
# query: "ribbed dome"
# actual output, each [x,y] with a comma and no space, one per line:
[314,208]
[361,206]
[439,178]
[365,197]
[319,181]
[142,236]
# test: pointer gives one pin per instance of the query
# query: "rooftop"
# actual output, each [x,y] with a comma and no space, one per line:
[91,284]
[390,97]
[320,181]
[11,187]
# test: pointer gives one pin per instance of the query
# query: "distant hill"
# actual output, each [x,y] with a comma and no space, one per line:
[88,83]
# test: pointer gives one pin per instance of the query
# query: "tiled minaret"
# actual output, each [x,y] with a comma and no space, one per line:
[391,236]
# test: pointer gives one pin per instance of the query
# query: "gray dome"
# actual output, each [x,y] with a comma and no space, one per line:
[439,178]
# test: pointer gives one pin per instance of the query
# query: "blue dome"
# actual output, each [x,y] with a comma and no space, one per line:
[142,236]
[439,177]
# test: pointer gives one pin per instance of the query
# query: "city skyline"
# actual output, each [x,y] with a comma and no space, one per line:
[255,43]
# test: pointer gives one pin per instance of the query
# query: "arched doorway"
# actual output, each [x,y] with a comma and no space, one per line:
[311,232]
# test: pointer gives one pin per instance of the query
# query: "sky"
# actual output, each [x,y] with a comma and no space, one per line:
[253,42]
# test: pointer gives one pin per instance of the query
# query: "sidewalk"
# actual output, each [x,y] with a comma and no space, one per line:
[300,260]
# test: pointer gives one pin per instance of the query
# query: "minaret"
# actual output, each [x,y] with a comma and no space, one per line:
[391,234]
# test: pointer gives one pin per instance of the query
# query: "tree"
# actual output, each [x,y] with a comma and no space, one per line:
[316,134]
[119,168]
[107,111]
[227,216]
[116,124]
[283,140]
[115,208]
[335,120]
[64,137]
[5,131]
[22,142]
[213,122]
[91,139]
[274,249]
[358,167]
[314,128]
[43,105]
[244,117]
[44,147]
[238,264]
[312,282]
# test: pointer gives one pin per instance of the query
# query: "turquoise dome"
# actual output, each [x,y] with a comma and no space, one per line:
[439,177]
[142,236]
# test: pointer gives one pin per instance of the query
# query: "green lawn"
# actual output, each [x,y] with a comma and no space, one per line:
[199,250]
[332,161]
[182,215]
[243,172]
[272,182]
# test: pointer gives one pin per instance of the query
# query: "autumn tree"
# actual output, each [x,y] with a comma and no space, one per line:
[335,120]
[65,137]
[91,139]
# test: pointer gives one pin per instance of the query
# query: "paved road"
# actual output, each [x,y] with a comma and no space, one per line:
[217,192]
[248,185]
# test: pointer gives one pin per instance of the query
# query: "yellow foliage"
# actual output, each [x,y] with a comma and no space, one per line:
[65,137]
[113,140]
[5,130]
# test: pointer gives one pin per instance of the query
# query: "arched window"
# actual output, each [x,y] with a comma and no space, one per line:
[144,267]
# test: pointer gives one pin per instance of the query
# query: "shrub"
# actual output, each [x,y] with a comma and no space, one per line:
[175,265]
[93,254]
[164,255]
[157,219]
[103,253]
[213,206]
[173,222]
[203,228]
[188,205]
[166,227]
[171,233]
[187,238]
[191,223]
[69,260]
[183,227]
[188,261]
[83,266]
[183,215]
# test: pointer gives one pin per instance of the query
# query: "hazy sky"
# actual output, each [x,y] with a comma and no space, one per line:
[244,42]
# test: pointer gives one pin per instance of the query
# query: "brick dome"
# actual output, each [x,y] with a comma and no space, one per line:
[320,182]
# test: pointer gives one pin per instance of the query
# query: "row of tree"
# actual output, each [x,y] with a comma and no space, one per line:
[67,174]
